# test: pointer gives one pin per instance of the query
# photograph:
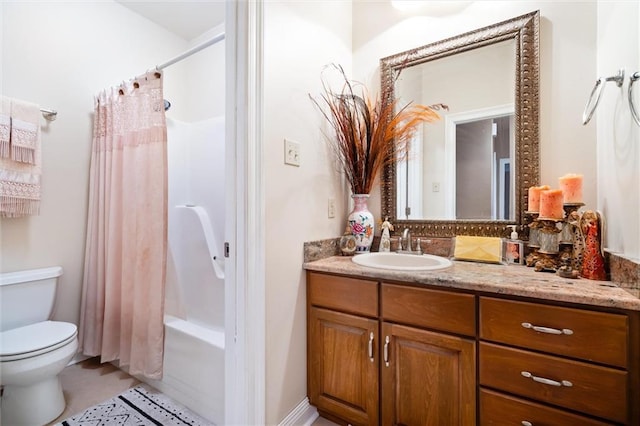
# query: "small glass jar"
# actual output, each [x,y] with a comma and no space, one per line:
[348,243]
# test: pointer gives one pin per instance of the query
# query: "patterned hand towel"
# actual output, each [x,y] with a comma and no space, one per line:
[20,181]
[25,131]
[5,125]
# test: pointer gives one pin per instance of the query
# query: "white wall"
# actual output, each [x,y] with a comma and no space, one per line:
[204,78]
[60,54]
[618,135]
[300,38]
[567,67]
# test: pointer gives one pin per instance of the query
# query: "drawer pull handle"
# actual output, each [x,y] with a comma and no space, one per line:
[547,330]
[526,423]
[546,381]
[386,351]
[371,346]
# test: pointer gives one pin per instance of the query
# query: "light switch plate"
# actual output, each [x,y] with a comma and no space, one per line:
[331,208]
[291,153]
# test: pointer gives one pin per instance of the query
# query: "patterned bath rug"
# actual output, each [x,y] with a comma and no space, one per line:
[139,406]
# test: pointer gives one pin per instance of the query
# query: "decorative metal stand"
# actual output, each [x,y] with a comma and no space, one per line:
[571,245]
[548,253]
[555,244]
[532,231]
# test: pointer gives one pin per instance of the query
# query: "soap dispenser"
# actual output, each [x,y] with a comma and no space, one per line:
[513,248]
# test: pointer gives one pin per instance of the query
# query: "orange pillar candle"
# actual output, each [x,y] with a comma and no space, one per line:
[533,202]
[571,186]
[551,204]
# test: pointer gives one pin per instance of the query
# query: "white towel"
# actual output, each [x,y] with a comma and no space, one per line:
[25,131]
[5,126]
[19,180]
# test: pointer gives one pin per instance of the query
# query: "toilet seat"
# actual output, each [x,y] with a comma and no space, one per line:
[35,339]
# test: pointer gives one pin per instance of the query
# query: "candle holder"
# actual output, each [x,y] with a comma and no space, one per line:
[570,239]
[570,216]
[527,220]
[533,230]
[548,253]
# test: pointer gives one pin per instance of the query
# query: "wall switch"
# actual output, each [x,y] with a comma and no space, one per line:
[331,208]
[435,187]
[291,153]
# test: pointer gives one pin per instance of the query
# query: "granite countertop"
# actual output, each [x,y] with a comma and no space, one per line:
[499,279]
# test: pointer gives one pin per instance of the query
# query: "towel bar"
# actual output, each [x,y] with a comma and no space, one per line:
[634,113]
[596,93]
[49,114]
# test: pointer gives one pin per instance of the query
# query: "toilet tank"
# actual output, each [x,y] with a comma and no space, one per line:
[27,297]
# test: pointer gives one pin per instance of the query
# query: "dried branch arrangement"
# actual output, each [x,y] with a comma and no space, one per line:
[368,134]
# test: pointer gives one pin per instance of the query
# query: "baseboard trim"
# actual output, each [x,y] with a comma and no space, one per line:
[304,414]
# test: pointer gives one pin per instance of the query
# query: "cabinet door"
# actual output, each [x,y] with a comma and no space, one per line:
[427,378]
[343,365]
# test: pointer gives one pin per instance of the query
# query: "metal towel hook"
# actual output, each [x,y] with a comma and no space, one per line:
[634,77]
[596,93]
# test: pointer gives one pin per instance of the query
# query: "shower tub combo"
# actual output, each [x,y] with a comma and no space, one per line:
[194,356]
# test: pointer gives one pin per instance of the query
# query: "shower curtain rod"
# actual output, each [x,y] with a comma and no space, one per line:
[191,51]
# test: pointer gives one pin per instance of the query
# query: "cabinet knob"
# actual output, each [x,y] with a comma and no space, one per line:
[526,423]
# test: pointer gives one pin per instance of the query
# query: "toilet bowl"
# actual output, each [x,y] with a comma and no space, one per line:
[33,349]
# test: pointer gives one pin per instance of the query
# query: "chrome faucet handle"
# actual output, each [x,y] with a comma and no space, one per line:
[418,249]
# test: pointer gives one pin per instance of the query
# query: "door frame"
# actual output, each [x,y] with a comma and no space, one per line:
[451,121]
[245,311]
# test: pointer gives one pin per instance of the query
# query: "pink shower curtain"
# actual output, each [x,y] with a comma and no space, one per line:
[125,254]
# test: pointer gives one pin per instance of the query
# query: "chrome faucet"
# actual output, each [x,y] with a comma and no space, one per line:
[404,245]
[406,237]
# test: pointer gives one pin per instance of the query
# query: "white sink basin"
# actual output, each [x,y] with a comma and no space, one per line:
[402,262]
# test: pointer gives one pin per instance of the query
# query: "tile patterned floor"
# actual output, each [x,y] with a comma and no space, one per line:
[89,382]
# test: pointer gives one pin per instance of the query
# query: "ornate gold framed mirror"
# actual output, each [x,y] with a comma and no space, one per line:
[487,140]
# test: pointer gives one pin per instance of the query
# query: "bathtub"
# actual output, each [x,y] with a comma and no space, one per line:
[193,367]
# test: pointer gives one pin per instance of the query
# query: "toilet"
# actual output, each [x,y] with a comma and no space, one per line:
[33,349]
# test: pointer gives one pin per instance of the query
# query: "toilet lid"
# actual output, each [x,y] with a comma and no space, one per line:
[35,339]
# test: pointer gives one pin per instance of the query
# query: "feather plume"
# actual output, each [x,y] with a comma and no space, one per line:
[367,133]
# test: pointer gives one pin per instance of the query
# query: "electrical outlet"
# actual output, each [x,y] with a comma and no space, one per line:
[435,187]
[331,208]
[291,153]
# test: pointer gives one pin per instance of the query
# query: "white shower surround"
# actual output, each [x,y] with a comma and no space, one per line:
[194,304]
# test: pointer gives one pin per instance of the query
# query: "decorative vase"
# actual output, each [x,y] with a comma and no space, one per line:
[361,222]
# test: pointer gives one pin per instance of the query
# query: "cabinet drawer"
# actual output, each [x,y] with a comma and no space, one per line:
[440,310]
[591,389]
[502,410]
[588,335]
[343,294]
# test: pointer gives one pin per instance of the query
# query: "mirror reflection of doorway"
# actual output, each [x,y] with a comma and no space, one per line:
[482,169]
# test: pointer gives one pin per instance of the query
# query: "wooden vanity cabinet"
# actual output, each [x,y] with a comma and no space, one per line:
[342,348]
[428,374]
[398,354]
[568,361]
[393,365]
